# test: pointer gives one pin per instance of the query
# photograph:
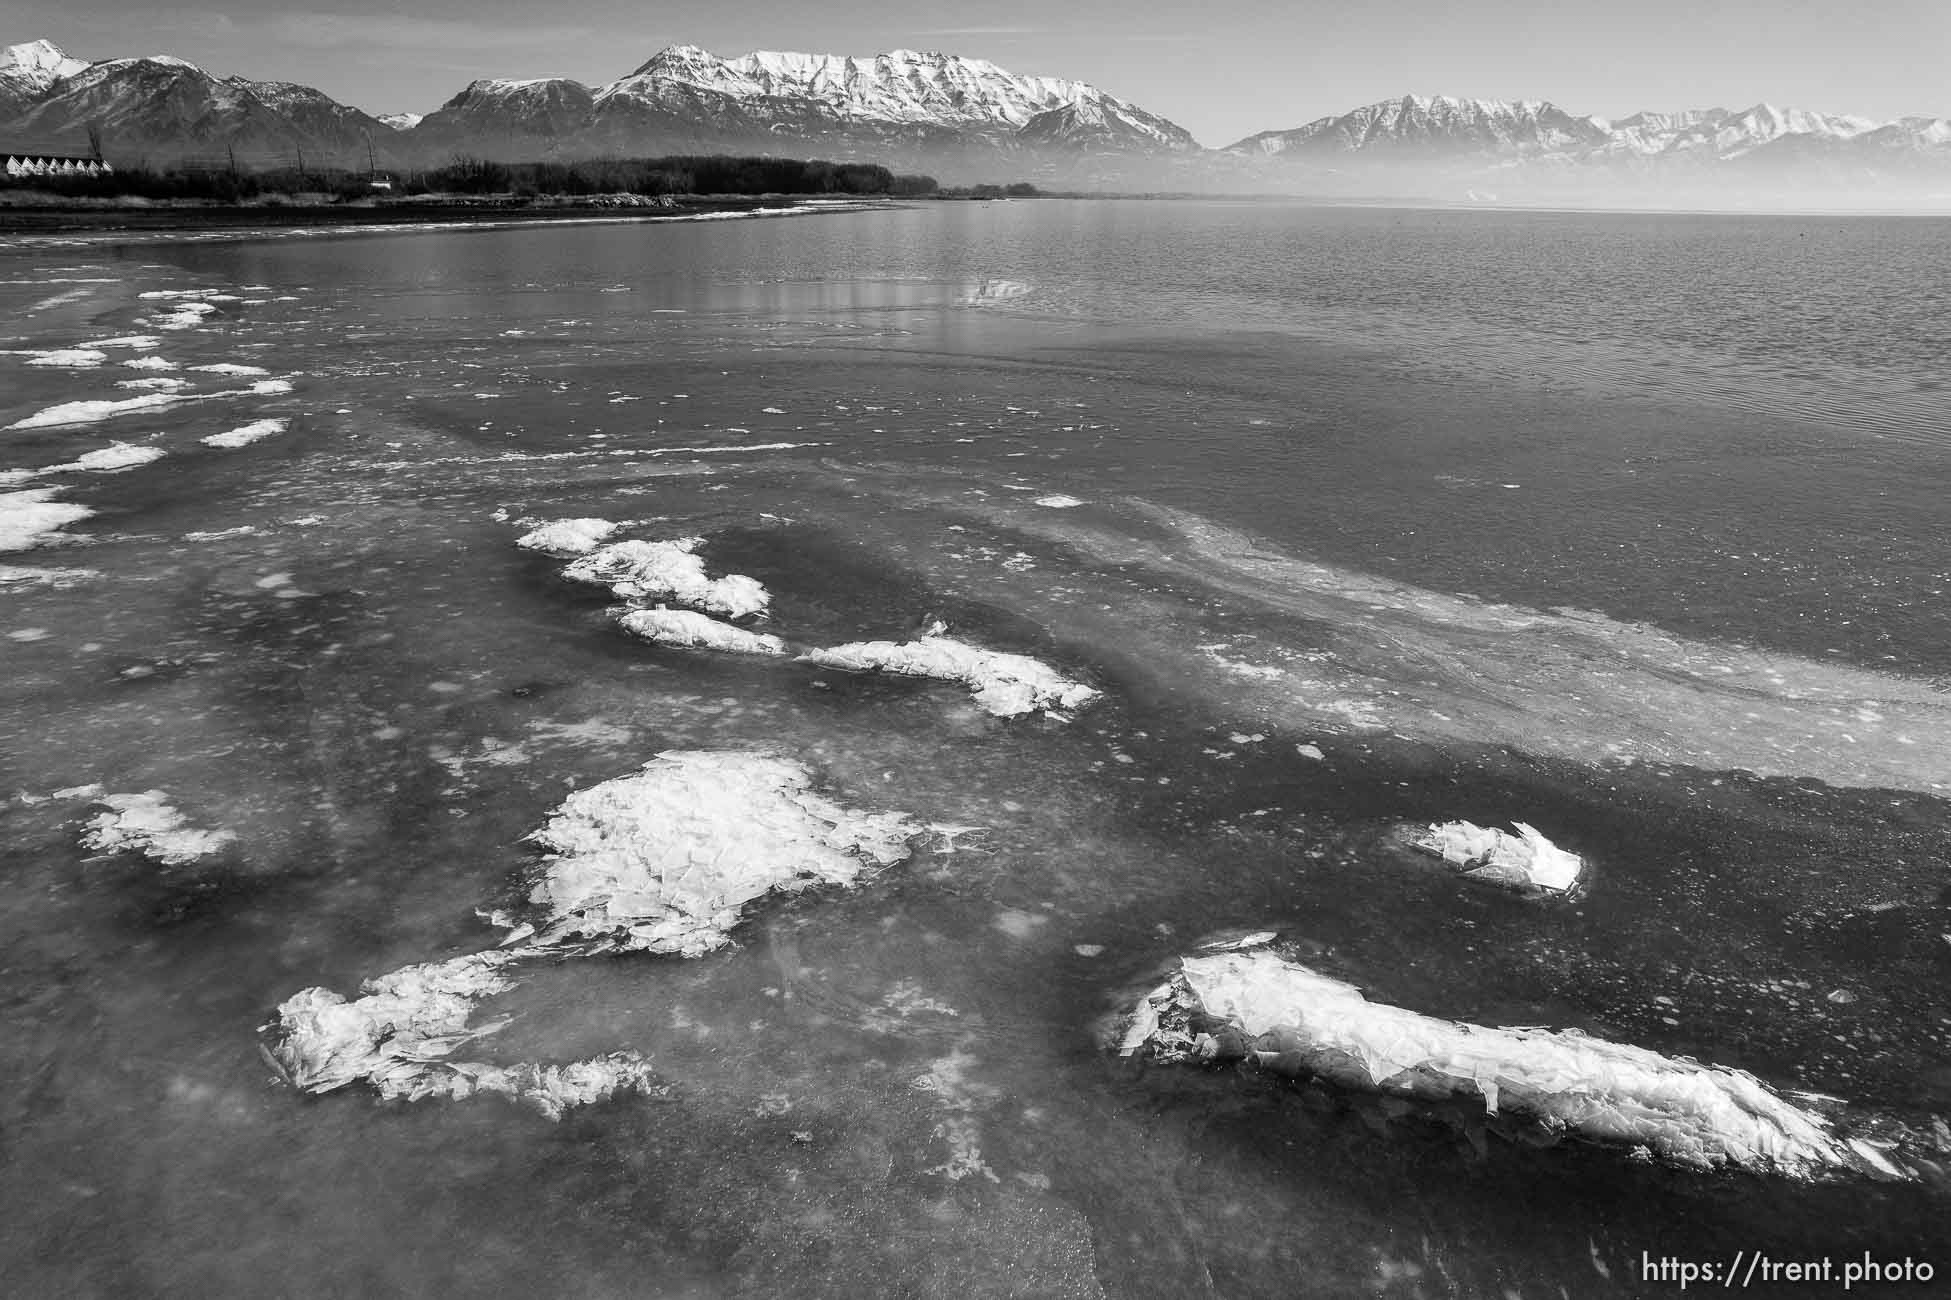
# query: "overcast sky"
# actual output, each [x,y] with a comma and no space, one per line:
[1222,71]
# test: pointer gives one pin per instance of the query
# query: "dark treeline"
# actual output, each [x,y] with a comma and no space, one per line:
[676,174]
[686,174]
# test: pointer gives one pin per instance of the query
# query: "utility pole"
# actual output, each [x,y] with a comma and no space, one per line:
[230,147]
[372,167]
[301,164]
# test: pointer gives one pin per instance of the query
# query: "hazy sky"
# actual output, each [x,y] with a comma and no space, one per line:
[1222,72]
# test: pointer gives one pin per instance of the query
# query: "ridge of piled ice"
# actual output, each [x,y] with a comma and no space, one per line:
[146,824]
[150,363]
[247,434]
[1296,1022]
[1004,684]
[230,368]
[665,859]
[140,342]
[567,536]
[30,518]
[1526,860]
[683,627]
[88,412]
[637,570]
[20,575]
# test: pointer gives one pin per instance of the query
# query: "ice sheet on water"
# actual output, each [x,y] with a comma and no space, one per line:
[1004,684]
[683,627]
[665,859]
[140,342]
[247,434]
[567,536]
[1525,861]
[1296,1022]
[637,570]
[69,358]
[145,823]
[158,384]
[230,368]
[150,363]
[15,575]
[33,518]
[94,410]
[661,860]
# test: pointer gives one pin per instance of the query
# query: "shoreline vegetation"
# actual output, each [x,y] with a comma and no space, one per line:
[466,187]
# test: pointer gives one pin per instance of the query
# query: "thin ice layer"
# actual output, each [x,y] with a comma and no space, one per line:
[683,627]
[145,823]
[401,1034]
[668,571]
[567,536]
[32,518]
[1300,1023]
[1526,860]
[663,860]
[1004,684]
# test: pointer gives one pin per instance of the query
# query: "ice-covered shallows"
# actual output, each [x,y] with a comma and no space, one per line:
[1296,1022]
[662,860]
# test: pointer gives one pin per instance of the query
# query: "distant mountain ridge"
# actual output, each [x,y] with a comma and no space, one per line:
[968,119]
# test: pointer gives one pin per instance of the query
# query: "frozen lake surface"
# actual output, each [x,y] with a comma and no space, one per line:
[1630,528]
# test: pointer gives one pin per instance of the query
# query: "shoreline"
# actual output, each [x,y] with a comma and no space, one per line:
[182,215]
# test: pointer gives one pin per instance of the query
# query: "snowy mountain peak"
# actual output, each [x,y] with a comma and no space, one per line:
[38,63]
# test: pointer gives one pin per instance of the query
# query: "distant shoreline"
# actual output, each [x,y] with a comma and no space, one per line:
[58,216]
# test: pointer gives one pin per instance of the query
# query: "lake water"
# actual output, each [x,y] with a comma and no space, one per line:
[1632,527]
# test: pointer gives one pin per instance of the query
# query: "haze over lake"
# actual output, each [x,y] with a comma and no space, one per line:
[1630,527]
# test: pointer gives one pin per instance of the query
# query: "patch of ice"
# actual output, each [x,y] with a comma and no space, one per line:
[71,358]
[32,518]
[1296,1022]
[230,368]
[683,627]
[567,536]
[668,571]
[146,824]
[159,384]
[248,434]
[13,575]
[663,860]
[1058,501]
[90,412]
[140,342]
[269,387]
[150,363]
[1525,861]
[1004,684]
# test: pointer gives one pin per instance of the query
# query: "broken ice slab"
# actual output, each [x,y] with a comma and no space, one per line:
[683,627]
[1004,684]
[670,571]
[567,536]
[1526,861]
[1295,1022]
[664,859]
[400,1035]
[146,824]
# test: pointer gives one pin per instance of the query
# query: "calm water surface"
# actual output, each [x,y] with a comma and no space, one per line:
[1628,526]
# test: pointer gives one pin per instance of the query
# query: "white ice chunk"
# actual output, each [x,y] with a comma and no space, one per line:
[401,1034]
[89,412]
[150,363]
[1059,501]
[147,824]
[683,627]
[156,384]
[71,358]
[107,460]
[1300,1023]
[663,860]
[567,536]
[269,387]
[230,368]
[248,434]
[1526,860]
[668,571]
[1004,684]
[31,518]
[140,342]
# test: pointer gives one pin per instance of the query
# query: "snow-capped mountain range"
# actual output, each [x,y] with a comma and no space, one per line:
[959,118]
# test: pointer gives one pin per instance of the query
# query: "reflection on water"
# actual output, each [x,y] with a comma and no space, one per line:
[1277,552]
